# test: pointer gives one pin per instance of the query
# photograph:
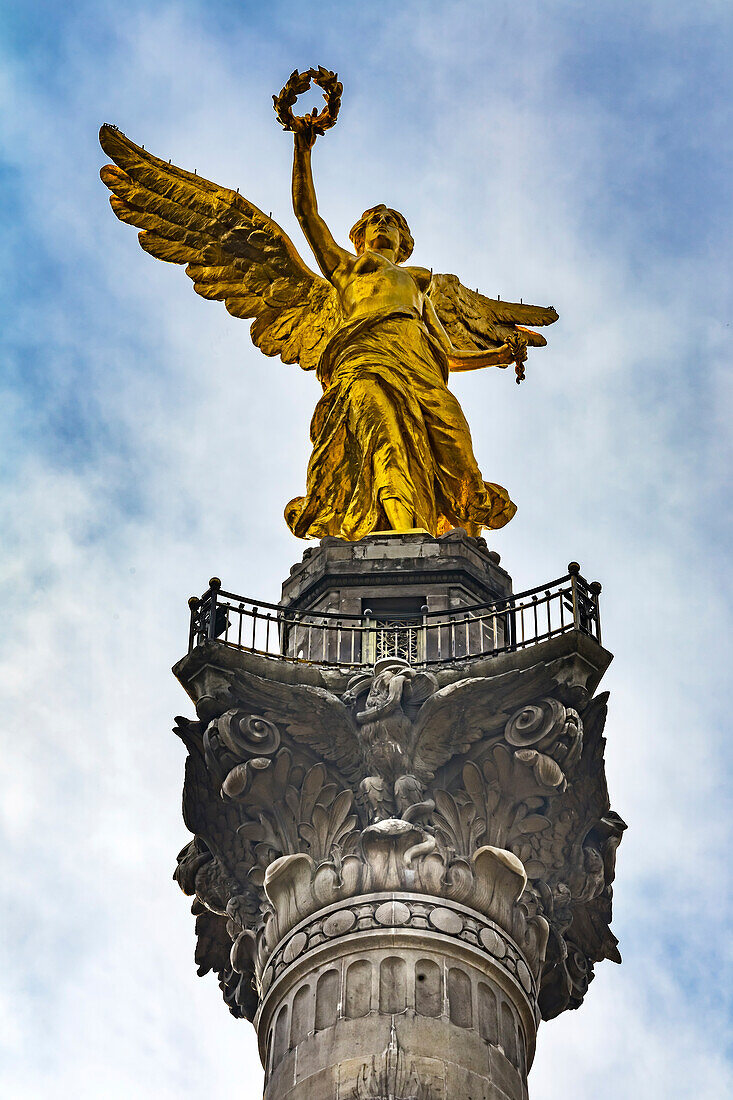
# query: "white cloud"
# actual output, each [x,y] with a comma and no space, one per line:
[192,443]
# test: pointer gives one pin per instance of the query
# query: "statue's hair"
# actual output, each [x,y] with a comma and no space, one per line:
[358,231]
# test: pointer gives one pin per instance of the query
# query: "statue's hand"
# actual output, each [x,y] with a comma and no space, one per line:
[517,347]
[304,134]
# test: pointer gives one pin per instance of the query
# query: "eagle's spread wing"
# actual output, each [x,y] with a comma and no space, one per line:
[463,712]
[311,716]
[474,321]
[233,252]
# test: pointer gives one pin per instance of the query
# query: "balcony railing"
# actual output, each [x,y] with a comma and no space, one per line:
[438,637]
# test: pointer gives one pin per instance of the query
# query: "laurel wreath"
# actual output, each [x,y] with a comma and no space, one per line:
[317,121]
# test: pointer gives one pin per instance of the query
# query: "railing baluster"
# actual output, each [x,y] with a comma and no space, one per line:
[574,570]
[194,604]
[422,637]
[368,640]
[214,586]
[595,588]
[510,625]
[322,637]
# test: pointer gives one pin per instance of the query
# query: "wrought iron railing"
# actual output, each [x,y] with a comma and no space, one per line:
[438,637]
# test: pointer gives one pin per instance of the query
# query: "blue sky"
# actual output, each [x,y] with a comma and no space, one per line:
[567,153]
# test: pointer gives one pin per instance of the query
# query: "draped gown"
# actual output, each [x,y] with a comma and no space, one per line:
[388,426]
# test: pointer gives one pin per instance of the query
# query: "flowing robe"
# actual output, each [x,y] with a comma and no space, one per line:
[388,426]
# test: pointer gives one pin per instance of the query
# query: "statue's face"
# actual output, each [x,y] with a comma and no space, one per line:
[382,233]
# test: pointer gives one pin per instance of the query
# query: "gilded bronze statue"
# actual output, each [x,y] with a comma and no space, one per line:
[391,446]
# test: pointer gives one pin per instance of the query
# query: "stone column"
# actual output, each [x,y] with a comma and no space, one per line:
[399,870]
[400,994]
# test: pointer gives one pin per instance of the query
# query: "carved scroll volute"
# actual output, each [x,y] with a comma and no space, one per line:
[235,743]
[247,734]
[549,729]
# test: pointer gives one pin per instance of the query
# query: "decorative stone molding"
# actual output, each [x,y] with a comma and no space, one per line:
[490,883]
[484,790]
[432,917]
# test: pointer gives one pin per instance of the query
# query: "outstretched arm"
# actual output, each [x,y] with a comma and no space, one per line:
[502,356]
[327,252]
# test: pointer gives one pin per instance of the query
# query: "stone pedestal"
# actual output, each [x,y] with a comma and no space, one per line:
[412,570]
[402,860]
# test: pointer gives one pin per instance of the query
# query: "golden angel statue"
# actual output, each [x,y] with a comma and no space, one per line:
[391,446]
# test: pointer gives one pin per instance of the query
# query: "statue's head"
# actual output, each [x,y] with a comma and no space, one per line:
[381,227]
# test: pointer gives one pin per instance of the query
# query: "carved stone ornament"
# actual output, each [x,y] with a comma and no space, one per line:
[486,792]
[392,1076]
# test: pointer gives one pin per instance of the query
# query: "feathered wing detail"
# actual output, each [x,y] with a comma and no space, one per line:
[311,716]
[588,799]
[458,715]
[474,321]
[234,253]
[585,860]
[211,818]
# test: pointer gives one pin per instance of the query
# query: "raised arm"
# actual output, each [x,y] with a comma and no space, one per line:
[329,255]
[502,356]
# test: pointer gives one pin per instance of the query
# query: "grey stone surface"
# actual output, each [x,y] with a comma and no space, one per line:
[398,872]
[449,572]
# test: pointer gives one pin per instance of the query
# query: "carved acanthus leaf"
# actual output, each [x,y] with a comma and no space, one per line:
[297,811]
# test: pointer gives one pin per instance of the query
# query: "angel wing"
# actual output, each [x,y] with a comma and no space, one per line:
[463,712]
[311,716]
[474,321]
[233,252]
